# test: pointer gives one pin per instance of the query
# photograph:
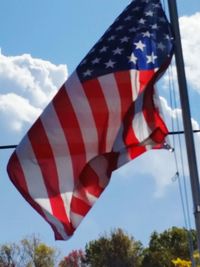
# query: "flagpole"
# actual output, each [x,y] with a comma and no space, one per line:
[191,155]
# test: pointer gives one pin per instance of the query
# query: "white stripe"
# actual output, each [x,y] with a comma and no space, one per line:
[119,142]
[91,198]
[140,127]
[135,83]
[35,183]
[76,219]
[100,167]
[120,147]
[61,154]
[113,101]
[123,158]
[84,115]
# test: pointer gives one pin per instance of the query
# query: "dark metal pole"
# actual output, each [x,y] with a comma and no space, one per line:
[170,133]
[8,147]
[194,179]
[182,132]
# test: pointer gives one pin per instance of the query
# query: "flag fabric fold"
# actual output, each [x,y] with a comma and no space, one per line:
[103,116]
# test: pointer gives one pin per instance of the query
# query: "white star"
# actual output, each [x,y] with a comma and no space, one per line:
[149,13]
[156,5]
[161,46]
[162,19]
[92,50]
[140,45]
[135,9]
[142,21]
[151,58]
[83,62]
[124,39]
[87,73]
[110,64]
[111,38]
[103,49]
[119,28]
[118,51]
[128,18]
[167,37]
[146,34]
[96,60]
[133,58]
[154,26]
[133,29]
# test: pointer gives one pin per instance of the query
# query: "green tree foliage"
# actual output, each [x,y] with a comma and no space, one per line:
[167,246]
[116,250]
[167,249]
[29,252]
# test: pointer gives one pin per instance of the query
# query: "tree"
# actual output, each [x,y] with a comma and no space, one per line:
[29,252]
[37,254]
[74,259]
[197,258]
[181,263]
[8,255]
[116,250]
[185,263]
[167,246]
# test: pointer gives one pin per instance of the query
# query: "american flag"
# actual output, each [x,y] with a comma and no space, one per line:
[103,116]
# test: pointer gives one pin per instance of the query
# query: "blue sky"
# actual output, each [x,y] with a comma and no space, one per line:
[141,197]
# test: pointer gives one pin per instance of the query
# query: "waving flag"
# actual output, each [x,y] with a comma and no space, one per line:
[102,117]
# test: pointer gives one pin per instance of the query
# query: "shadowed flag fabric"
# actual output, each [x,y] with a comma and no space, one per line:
[103,116]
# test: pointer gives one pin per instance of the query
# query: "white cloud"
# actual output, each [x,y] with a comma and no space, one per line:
[27,84]
[189,27]
[17,110]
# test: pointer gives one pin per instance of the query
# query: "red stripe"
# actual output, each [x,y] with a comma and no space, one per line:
[151,114]
[129,136]
[133,144]
[123,80]
[145,77]
[79,206]
[153,118]
[71,129]
[128,111]
[135,151]
[112,159]
[99,109]
[45,159]
[148,104]
[90,181]
[130,140]
[159,135]
[17,177]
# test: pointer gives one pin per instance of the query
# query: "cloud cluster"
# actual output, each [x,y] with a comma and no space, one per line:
[27,84]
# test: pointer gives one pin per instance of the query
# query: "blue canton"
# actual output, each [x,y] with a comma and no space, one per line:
[140,38]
